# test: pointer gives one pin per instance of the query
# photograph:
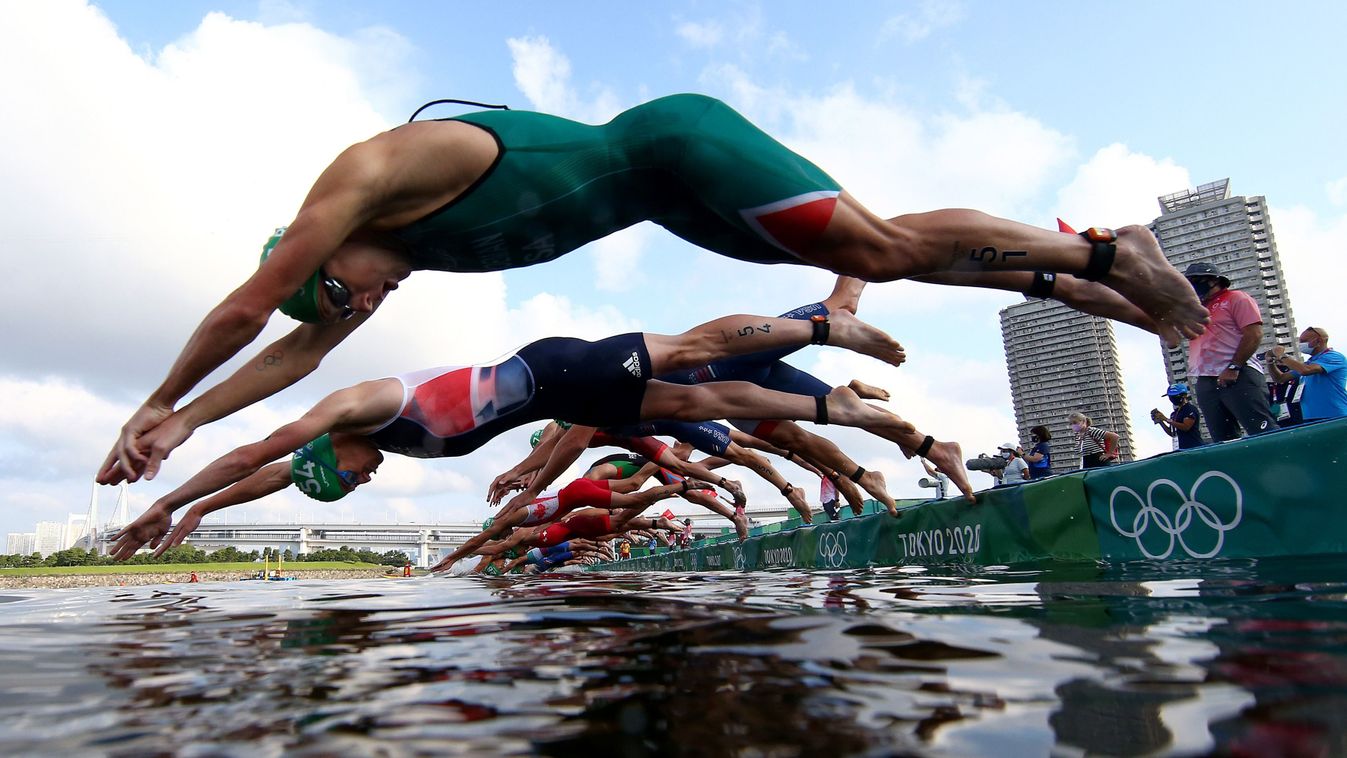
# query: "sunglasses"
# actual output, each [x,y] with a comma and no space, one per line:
[338,293]
[349,478]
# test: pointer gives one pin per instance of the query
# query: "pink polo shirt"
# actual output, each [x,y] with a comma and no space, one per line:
[1231,311]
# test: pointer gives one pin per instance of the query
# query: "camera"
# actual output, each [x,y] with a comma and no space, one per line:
[985,462]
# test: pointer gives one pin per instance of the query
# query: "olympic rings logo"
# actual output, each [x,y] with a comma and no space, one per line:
[832,548]
[1183,517]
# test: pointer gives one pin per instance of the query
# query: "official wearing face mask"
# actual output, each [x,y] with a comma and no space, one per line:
[1323,376]
[1231,390]
[1039,456]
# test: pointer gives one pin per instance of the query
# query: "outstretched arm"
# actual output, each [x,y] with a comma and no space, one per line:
[340,202]
[279,365]
[567,450]
[353,409]
[265,481]
[536,459]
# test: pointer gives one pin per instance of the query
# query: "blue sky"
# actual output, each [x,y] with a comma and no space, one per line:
[153,145]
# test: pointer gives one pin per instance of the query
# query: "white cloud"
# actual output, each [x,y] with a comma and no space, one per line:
[543,74]
[705,34]
[1337,191]
[1116,187]
[930,16]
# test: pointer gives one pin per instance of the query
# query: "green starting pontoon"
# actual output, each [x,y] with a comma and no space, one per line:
[1278,494]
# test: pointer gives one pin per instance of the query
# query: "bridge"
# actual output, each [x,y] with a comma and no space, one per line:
[424,544]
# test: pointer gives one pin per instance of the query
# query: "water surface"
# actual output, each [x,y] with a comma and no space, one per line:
[1238,658]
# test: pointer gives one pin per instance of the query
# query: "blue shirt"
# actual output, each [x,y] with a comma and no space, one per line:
[1325,395]
[1192,437]
[1043,467]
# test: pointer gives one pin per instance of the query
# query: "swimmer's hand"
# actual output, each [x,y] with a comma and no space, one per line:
[503,485]
[525,497]
[126,462]
[150,527]
[185,526]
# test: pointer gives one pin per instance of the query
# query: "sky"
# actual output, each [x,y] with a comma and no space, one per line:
[149,149]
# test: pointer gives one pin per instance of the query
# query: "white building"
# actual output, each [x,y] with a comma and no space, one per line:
[20,543]
[49,538]
[1235,235]
[76,531]
[1061,360]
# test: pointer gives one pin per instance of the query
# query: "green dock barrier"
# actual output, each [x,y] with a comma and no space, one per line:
[1272,495]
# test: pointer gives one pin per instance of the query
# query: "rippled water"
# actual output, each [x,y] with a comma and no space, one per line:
[1235,658]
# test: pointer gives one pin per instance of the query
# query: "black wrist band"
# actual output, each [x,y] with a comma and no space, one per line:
[1042,285]
[925,446]
[1102,252]
[821,409]
[821,329]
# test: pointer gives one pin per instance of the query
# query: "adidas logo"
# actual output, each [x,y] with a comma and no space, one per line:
[633,364]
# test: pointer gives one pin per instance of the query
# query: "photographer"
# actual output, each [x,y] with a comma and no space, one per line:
[1016,470]
[1182,423]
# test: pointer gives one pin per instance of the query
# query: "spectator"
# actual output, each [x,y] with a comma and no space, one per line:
[1283,389]
[1231,390]
[1322,377]
[1097,447]
[1039,456]
[1182,423]
[940,481]
[1016,469]
[624,549]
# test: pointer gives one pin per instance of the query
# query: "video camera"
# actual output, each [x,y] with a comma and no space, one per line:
[985,462]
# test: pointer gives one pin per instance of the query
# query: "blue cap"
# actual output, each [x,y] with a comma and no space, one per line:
[1175,390]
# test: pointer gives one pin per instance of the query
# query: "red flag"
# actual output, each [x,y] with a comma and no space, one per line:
[1062,226]
[668,514]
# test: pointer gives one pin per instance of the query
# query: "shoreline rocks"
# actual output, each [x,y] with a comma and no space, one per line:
[175,577]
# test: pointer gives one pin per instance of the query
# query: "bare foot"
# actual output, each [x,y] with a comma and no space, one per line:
[797,501]
[736,491]
[1142,275]
[851,494]
[868,391]
[874,483]
[740,521]
[1098,300]
[845,330]
[845,408]
[947,457]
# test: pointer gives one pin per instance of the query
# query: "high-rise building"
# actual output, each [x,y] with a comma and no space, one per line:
[19,543]
[1235,235]
[49,538]
[1061,360]
[76,530]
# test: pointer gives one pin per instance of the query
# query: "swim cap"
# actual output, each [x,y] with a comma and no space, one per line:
[535,438]
[303,305]
[313,469]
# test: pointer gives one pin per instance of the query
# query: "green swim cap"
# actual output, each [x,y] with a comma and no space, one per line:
[303,305]
[535,438]
[313,469]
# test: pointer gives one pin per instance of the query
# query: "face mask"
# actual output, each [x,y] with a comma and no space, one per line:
[1077,428]
[1306,349]
[1177,400]
[1005,454]
[1202,287]
[1034,437]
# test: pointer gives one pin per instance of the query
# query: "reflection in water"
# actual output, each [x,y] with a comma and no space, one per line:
[1238,658]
